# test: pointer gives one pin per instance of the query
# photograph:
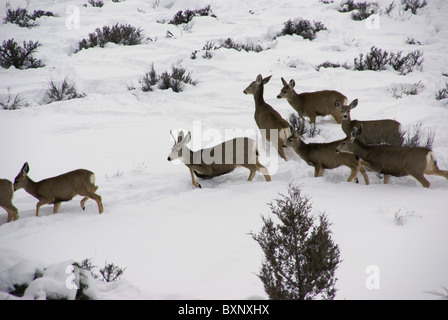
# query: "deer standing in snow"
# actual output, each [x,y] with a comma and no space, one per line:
[268,120]
[60,188]
[397,161]
[373,131]
[6,194]
[323,156]
[312,104]
[218,160]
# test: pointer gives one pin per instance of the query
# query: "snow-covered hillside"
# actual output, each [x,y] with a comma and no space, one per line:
[174,240]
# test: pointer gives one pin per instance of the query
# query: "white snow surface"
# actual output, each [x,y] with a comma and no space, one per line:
[179,242]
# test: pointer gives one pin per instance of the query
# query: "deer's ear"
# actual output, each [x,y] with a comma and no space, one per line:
[187,137]
[354,104]
[292,83]
[359,131]
[284,82]
[259,79]
[353,133]
[337,104]
[266,80]
[25,169]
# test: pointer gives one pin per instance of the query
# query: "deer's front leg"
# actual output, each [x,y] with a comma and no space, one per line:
[193,180]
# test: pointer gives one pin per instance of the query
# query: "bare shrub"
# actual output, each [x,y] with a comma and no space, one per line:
[65,90]
[303,28]
[126,35]
[175,80]
[12,54]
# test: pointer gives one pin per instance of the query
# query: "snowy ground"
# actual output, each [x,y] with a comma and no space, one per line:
[180,242]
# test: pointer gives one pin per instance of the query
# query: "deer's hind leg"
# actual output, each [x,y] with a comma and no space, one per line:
[13,213]
[56,207]
[92,195]
[421,178]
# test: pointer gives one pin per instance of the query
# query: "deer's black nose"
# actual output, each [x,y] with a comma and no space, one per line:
[169,159]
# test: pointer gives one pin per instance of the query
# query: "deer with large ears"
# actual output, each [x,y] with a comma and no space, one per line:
[218,160]
[312,104]
[6,194]
[373,131]
[60,188]
[271,124]
[397,161]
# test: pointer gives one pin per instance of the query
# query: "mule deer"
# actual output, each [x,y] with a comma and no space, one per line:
[6,193]
[312,104]
[218,160]
[60,188]
[373,131]
[267,118]
[397,161]
[323,156]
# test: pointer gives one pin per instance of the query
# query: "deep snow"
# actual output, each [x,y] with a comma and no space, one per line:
[180,242]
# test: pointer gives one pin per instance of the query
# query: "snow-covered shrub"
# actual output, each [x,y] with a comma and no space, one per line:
[228,43]
[186,16]
[12,102]
[413,5]
[407,63]
[303,28]
[361,10]
[412,41]
[120,34]
[149,80]
[88,274]
[442,93]
[417,136]
[328,64]
[300,256]
[410,90]
[377,60]
[65,90]
[174,80]
[22,18]
[302,127]
[111,273]
[96,3]
[12,54]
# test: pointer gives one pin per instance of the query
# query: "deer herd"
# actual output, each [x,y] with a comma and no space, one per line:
[375,145]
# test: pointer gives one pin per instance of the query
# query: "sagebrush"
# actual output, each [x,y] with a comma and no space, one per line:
[61,91]
[23,18]
[175,80]
[377,60]
[13,102]
[304,28]
[21,57]
[119,34]
[182,17]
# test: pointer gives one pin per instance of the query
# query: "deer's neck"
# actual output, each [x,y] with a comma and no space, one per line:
[346,125]
[301,148]
[258,96]
[294,99]
[31,187]
[361,149]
